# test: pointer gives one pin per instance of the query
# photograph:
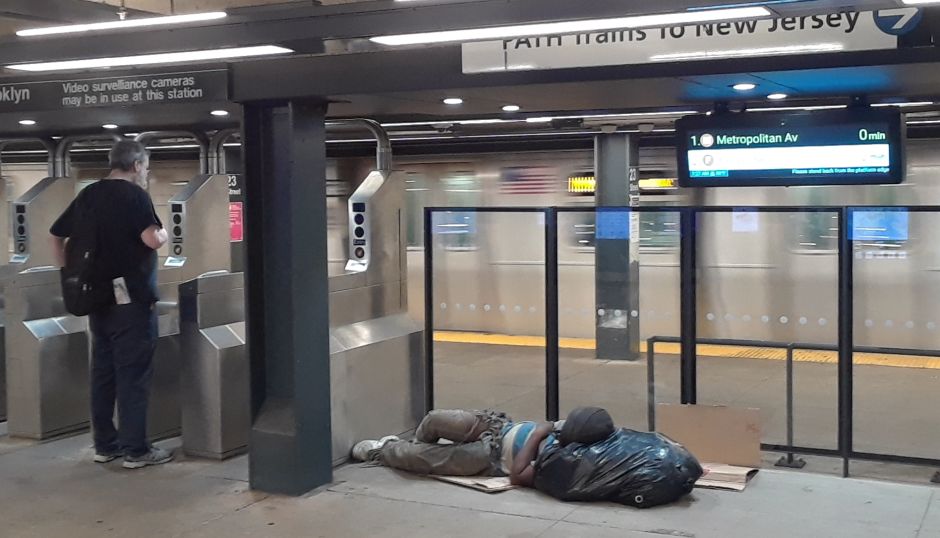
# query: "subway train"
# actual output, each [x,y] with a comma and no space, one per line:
[762,276]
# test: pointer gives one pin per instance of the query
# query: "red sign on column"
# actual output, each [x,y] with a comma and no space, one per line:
[236,221]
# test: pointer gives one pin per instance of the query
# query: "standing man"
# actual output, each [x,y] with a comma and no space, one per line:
[124,332]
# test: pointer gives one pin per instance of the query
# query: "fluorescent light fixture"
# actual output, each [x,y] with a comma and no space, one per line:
[511,108]
[131,135]
[743,53]
[919,2]
[547,119]
[150,59]
[905,103]
[453,101]
[575,27]
[487,121]
[777,96]
[27,122]
[122,24]
[789,108]
[109,126]
[924,122]
[744,86]
[219,113]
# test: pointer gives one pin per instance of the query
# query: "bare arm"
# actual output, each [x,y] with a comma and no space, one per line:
[154,237]
[58,249]
[522,472]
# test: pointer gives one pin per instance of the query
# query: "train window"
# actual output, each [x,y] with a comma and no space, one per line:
[658,230]
[417,197]
[458,229]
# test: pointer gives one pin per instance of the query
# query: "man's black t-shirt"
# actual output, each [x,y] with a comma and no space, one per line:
[122,211]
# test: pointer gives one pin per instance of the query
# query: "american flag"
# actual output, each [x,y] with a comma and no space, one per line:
[528,180]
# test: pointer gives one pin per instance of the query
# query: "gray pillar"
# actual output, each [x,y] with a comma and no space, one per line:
[616,255]
[287,292]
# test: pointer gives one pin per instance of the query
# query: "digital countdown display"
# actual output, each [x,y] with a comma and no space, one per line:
[822,147]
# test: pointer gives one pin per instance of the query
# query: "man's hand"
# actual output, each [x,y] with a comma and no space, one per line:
[522,472]
[58,249]
[154,237]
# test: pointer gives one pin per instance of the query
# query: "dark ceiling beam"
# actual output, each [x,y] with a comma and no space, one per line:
[58,11]
[351,21]
[440,68]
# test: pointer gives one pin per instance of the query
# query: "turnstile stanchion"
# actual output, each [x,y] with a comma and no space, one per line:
[215,373]
[47,358]
[198,226]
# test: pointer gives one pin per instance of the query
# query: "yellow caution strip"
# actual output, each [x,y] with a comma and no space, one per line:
[704,350]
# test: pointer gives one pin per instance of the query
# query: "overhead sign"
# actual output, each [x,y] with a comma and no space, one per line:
[831,147]
[164,88]
[835,32]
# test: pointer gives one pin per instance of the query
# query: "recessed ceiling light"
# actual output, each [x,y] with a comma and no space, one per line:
[576,27]
[744,86]
[777,96]
[151,59]
[453,101]
[219,113]
[27,122]
[511,108]
[109,126]
[121,24]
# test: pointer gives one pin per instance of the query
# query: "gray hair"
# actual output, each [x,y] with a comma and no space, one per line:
[127,152]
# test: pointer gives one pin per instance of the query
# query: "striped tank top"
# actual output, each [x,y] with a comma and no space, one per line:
[515,436]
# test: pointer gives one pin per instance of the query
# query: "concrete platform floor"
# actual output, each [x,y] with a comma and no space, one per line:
[895,408]
[53,490]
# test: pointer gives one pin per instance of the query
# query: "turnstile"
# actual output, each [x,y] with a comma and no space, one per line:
[215,372]
[376,349]
[47,358]
[198,229]
[46,349]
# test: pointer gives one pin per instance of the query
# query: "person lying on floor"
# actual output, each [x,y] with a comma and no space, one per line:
[483,443]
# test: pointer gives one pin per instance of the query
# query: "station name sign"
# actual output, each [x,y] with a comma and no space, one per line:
[151,89]
[834,32]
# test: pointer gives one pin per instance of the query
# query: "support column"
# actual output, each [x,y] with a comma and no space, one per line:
[287,293]
[617,254]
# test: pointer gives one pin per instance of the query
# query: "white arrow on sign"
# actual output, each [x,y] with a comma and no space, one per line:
[904,14]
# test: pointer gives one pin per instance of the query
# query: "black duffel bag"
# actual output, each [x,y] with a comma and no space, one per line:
[632,468]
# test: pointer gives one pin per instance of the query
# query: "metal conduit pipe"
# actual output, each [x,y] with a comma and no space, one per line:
[200,139]
[63,164]
[47,143]
[383,150]
[217,151]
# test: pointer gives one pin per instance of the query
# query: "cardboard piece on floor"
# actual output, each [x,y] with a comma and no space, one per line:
[727,477]
[485,484]
[728,435]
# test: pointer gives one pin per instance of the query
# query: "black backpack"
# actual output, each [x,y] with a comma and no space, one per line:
[83,290]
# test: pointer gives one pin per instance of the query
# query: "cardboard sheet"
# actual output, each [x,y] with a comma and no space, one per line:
[726,477]
[729,435]
[485,484]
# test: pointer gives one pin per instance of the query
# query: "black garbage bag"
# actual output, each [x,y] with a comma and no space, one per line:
[633,468]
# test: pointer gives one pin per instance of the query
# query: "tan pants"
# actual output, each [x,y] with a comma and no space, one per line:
[475,450]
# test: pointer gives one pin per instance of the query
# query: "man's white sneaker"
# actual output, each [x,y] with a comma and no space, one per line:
[363,449]
[360,452]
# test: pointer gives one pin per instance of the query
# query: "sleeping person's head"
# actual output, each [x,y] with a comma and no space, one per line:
[586,425]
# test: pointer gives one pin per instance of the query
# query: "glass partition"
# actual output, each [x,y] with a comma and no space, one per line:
[489,311]
[896,285]
[770,277]
[587,376]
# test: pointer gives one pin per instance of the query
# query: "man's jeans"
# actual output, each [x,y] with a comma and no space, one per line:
[124,338]
[476,438]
